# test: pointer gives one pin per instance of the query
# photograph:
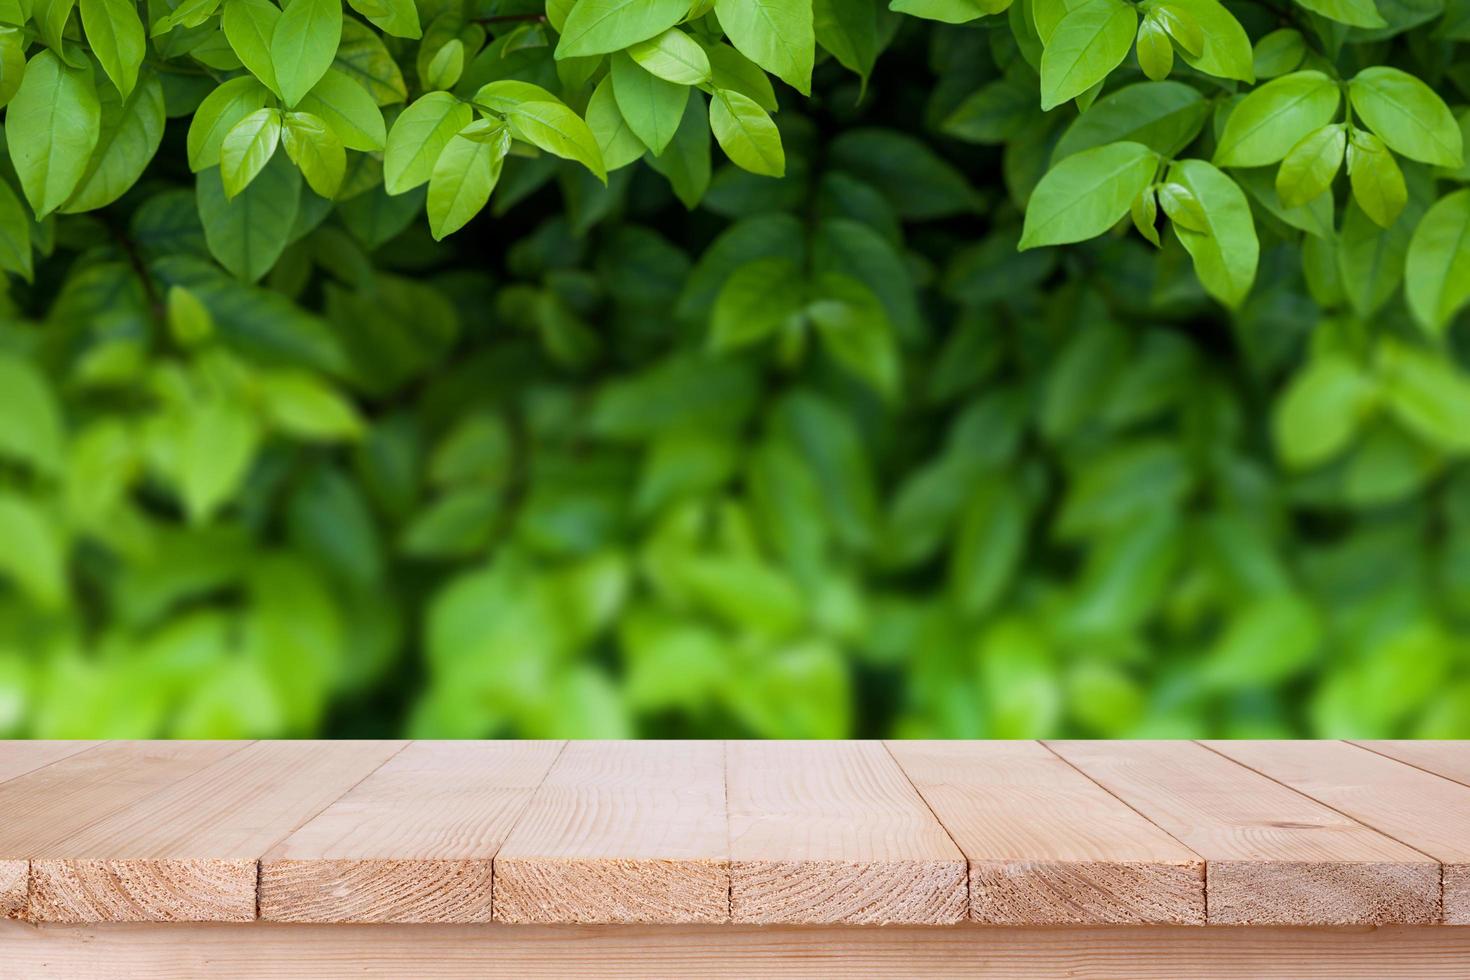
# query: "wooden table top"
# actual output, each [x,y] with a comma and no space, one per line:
[915,833]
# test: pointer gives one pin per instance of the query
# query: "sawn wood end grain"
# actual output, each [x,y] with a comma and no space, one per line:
[402,890]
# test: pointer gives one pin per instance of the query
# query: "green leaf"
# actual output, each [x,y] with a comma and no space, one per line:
[778,35]
[220,111]
[446,66]
[399,18]
[15,234]
[1087,45]
[30,419]
[673,56]
[1164,116]
[316,150]
[605,26]
[989,546]
[1427,394]
[1155,50]
[116,36]
[248,148]
[247,235]
[1311,166]
[918,182]
[996,113]
[1358,13]
[304,45]
[131,132]
[1182,207]
[1087,193]
[305,407]
[349,110]
[746,134]
[189,322]
[757,300]
[12,64]
[1279,52]
[1226,253]
[1370,258]
[217,443]
[1321,410]
[1226,48]
[1271,120]
[1145,214]
[249,26]
[1378,184]
[848,30]
[651,106]
[855,331]
[733,70]
[1407,115]
[363,57]
[1269,641]
[418,136]
[1181,28]
[559,131]
[616,141]
[949,11]
[1437,269]
[464,176]
[33,557]
[51,127]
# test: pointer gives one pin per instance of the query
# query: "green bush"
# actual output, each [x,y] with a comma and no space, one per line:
[427,370]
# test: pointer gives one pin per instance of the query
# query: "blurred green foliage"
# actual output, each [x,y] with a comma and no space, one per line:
[824,456]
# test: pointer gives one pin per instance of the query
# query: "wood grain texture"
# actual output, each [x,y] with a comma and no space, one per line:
[19,758]
[272,951]
[1429,813]
[413,842]
[621,832]
[833,832]
[189,852]
[1448,759]
[1046,845]
[1273,855]
[46,805]
[14,876]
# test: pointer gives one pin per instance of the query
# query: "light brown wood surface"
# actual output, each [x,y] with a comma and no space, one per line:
[621,832]
[272,951]
[1274,856]
[190,851]
[1045,844]
[1428,812]
[1448,759]
[44,806]
[834,832]
[19,758]
[413,842]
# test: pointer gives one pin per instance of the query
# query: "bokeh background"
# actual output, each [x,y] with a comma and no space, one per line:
[503,485]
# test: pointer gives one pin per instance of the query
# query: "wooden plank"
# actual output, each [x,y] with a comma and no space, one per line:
[1448,759]
[1045,844]
[273,951]
[833,832]
[189,852]
[414,842]
[1273,856]
[52,802]
[1425,811]
[18,758]
[621,832]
